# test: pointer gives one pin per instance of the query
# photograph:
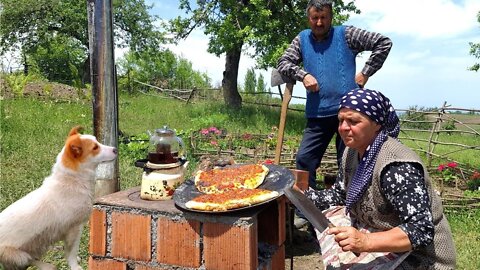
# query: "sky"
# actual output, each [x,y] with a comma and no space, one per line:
[428,63]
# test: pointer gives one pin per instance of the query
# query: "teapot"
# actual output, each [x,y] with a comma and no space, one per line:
[165,147]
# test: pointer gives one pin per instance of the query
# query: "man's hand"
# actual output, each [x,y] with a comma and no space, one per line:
[350,239]
[361,79]
[310,83]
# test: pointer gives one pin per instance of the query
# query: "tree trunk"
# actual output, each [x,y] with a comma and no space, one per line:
[230,75]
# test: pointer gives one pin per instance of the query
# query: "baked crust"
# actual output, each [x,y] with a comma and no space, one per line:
[219,180]
[231,199]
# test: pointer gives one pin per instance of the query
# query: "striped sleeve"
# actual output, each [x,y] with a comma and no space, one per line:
[289,63]
[360,40]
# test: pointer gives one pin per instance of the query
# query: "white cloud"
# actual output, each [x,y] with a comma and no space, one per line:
[419,19]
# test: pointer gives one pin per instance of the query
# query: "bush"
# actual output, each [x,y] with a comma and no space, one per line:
[474,182]
[416,118]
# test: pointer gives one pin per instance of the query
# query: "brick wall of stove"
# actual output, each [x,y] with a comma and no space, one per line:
[141,235]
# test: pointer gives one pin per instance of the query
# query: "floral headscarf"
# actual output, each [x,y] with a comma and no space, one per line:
[378,108]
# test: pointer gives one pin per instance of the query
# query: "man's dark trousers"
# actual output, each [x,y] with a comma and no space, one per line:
[316,137]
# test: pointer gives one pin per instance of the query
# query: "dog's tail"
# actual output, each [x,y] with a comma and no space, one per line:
[13,258]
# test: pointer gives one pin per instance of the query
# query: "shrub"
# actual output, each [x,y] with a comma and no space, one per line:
[449,171]
[474,181]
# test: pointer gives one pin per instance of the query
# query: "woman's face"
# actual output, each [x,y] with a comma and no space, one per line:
[356,129]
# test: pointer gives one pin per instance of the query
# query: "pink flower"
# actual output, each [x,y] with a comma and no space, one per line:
[214,143]
[213,129]
[204,131]
[441,167]
[452,164]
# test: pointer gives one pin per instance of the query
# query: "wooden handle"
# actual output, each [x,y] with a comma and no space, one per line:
[287,96]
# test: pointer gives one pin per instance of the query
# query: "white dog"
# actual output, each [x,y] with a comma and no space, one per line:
[57,210]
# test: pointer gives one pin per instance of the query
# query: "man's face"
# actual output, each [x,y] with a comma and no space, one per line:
[320,21]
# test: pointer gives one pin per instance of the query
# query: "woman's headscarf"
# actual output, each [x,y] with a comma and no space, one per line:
[378,108]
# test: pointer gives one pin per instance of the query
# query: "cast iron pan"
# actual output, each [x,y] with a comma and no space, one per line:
[277,179]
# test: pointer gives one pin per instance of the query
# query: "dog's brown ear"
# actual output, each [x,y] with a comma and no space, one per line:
[76,150]
[75,130]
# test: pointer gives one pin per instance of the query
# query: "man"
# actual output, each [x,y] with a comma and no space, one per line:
[328,56]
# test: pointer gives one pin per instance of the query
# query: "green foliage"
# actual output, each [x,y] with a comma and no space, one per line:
[466,237]
[59,59]
[38,28]
[250,81]
[266,26]
[449,172]
[475,50]
[474,182]
[163,69]
[449,125]
[261,85]
[417,117]
[17,81]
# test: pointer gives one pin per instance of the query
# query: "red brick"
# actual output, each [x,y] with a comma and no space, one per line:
[178,243]
[271,223]
[131,236]
[230,247]
[301,178]
[146,267]
[98,233]
[105,264]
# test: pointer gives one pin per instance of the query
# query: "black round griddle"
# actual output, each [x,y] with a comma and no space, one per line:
[277,179]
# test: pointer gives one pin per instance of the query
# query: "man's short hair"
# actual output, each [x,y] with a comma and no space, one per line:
[319,5]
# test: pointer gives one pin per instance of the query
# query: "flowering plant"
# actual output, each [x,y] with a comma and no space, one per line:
[474,182]
[213,133]
[448,171]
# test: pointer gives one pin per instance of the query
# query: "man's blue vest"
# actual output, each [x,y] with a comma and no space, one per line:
[332,63]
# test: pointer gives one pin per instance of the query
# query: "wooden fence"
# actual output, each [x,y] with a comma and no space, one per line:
[428,132]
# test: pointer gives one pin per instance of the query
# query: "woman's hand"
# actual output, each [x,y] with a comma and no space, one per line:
[350,239]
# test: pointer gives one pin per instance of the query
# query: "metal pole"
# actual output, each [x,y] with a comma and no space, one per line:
[104,92]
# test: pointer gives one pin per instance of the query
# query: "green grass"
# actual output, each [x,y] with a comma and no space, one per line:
[33,131]
[460,154]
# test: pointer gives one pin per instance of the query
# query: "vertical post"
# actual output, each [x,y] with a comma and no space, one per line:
[105,100]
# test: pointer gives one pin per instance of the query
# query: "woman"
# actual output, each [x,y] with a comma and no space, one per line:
[390,208]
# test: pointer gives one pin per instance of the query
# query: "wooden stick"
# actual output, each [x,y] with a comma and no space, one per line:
[287,96]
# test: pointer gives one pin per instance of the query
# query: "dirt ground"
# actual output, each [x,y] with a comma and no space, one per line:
[45,89]
[304,248]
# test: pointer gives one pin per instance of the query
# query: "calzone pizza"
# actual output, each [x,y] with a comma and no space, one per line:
[230,199]
[230,188]
[219,180]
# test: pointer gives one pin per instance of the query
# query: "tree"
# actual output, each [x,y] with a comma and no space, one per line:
[32,24]
[475,50]
[265,26]
[261,85]
[250,81]
[163,69]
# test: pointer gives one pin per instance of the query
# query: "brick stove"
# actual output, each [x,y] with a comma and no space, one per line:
[128,233]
